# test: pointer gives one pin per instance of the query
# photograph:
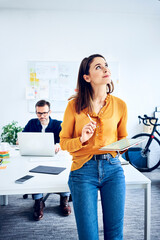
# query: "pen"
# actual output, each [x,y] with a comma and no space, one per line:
[89,116]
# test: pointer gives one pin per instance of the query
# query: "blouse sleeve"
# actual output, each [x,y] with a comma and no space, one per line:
[67,140]
[122,125]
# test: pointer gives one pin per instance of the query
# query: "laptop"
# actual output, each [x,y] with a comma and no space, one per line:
[36,144]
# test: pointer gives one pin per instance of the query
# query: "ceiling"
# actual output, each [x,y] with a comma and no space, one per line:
[116,6]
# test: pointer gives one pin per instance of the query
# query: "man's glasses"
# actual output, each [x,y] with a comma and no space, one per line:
[39,114]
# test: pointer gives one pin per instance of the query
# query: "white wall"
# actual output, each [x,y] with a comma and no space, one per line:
[36,35]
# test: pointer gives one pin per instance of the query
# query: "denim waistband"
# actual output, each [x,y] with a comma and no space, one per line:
[106,156]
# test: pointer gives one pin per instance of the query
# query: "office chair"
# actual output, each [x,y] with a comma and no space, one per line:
[25,196]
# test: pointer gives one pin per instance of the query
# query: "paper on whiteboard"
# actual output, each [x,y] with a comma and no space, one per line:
[61,93]
[48,70]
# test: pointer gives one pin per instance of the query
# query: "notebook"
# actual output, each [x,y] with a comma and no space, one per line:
[47,170]
[122,144]
[36,144]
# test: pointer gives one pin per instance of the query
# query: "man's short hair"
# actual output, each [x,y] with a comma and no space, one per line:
[42,103]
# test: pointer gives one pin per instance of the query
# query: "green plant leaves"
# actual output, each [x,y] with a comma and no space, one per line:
[9,132]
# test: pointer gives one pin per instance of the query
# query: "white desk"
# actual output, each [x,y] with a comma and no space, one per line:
[134,180]
[45,183]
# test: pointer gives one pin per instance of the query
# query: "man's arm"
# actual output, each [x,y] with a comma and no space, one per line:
[33,126]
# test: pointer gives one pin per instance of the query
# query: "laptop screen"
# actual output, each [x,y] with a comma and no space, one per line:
[36,144]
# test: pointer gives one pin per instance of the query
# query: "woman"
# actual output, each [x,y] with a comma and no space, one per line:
[93,119]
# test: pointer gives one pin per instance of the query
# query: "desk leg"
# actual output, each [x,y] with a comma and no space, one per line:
[4,200]
[147,212]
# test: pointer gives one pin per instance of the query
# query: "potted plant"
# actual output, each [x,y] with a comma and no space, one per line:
[9,132]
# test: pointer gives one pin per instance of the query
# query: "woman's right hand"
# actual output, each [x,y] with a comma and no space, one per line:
[88,131]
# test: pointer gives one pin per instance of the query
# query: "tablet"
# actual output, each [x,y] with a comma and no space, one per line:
[47,170]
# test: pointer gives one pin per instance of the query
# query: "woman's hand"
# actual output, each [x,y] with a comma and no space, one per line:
[88,131]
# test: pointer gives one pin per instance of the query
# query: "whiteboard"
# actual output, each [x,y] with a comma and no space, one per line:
[56,81]
[52,81]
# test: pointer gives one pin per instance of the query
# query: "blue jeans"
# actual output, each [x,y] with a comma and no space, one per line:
[108,177]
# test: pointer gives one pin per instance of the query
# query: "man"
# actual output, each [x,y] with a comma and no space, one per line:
[44,123]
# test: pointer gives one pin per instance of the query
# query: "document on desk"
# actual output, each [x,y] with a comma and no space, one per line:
[47,170]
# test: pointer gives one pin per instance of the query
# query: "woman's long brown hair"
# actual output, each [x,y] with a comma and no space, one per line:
[84,96]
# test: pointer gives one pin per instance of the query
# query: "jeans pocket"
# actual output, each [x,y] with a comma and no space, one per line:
[114,161]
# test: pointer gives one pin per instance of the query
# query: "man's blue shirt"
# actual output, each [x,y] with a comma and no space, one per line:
[54,126]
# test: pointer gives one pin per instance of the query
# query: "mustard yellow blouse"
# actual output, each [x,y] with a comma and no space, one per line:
[111,126]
